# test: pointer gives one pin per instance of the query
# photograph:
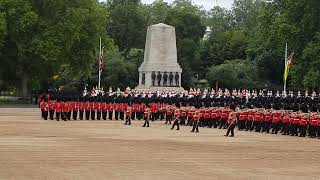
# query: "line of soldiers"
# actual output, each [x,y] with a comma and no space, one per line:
[156,105]
[258,120]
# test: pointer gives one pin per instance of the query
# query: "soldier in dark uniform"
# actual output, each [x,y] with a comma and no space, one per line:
[170,78]
[159,77]
[177,77]
[165,79]
[153,77]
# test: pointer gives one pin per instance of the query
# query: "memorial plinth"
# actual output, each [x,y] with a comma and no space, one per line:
[160,68]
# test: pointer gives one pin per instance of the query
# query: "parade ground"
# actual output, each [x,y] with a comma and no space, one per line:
[32,149]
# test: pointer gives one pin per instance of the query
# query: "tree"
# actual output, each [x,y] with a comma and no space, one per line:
[219,20]
[233,74]
[311,62]
[3,29]
[270,67]
[127,25]
[156,12]
[46,35]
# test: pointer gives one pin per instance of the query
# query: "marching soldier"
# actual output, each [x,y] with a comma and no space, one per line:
[87,109]
[57,110]
[232,121]
[81,109]
[303,125]
[128,116]
[168,115]
[196,119]
[147,113]
[44,109]
[176,119]
[51,109]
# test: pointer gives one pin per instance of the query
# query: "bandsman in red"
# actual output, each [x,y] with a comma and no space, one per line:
[104,110]
[183,116]
[63,110]
[81,109]
[110,108]
[176,119]
[57,109]
[243,115]
[214,118]
[313,126]
[250,119]
[276,120]
[190,115]
[196,119]
[44,109]
[223,118]
[267,121]
[287,120]
[232,121]
[75,107]
[98,109]
[87,109]
[169,115]
[92,110]
[128,116]
[295,124]
[51,109]
[147,114]
[303,125]
[258,117]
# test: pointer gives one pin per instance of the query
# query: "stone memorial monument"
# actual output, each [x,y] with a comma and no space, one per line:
[160,68]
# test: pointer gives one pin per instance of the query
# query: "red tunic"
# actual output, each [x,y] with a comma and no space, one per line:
[56,106]
[258,116]
[43,106]
[243,116]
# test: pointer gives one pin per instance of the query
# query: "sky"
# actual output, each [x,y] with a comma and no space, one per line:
[207,4]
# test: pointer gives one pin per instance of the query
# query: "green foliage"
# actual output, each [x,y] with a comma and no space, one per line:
[3,28]
[46,35]
[127,26]
[46,42]
[270,67]
[232,74]
[156,12]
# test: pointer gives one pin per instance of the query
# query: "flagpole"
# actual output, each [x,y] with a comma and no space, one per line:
[285,64]
[99,65]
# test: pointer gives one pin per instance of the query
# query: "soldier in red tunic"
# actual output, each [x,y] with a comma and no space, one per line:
[98,107]
[258,117]
[44,109]
[104,110]
[176,119]
[92,109]
[168,115]
[81,109]
[51,109]
[196,119]
[232,121]
[128,116]
[147,113]
[75,107]
[303,125]
[87,108]
[110,110]
[56,106]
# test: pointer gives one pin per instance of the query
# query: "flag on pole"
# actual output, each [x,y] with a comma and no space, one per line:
[287,67]
[101,63]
